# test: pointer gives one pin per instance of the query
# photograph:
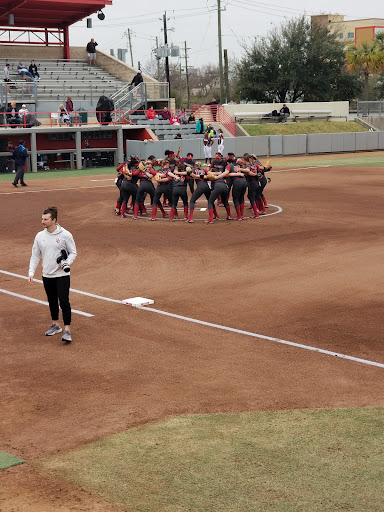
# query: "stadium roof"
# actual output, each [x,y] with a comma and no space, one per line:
[48,13]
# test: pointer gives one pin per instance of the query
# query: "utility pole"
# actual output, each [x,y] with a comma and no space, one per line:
[226,77]
[220,51]
[158,59]
[181,86]
[166,46]
[187,74]
[130,46]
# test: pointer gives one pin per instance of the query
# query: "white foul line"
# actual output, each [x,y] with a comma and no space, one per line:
[40,301]
[302,168]
[50,190]
[225,328]
[261,336]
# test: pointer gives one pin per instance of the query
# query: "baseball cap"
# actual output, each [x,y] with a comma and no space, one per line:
[23,105]
[21,142]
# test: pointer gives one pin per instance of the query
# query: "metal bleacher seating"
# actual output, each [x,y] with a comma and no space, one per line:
[164,130]
[59,78]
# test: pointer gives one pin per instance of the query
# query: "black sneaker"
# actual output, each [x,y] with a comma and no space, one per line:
[24,185]
[14,184]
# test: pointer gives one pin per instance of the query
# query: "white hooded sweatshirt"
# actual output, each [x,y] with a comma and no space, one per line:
[48,246]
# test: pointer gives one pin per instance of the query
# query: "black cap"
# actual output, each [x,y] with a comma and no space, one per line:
[21,142]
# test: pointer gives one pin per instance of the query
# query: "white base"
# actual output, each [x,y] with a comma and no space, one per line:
[138,301]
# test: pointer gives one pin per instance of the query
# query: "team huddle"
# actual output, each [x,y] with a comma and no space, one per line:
[174,175]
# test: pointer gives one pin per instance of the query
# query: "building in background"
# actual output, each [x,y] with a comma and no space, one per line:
[354,31]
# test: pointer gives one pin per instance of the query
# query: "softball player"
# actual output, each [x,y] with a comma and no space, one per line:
[163,178]
[239,185]
[200,175]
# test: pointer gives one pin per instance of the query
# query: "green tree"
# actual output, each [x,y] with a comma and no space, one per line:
[367,59]
[296,62]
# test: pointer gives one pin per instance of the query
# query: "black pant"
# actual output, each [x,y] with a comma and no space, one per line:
[179,191]
[146,187]
[202,188]
[162,188]
[127,190]
[191,185]
[57,290]
[238,191]
[219,189]
[253,187]
[19,173]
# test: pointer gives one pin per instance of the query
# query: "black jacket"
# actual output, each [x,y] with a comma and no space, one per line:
[20,154]
[137,79]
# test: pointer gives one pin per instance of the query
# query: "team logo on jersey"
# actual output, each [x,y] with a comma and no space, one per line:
[57,240]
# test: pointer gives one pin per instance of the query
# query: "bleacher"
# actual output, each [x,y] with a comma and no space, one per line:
[164,130]
[60,78]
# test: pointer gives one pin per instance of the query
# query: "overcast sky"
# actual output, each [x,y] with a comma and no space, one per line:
[196,23]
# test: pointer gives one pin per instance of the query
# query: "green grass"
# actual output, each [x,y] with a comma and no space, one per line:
[303,127]
[289,461]
[7,460]
[63,173]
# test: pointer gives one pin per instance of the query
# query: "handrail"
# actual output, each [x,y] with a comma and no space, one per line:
[218,114]
[76,118]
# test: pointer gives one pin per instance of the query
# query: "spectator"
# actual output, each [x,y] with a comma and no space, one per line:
[284,113]
[23,71]
[104,108]
[13,118]
[63,115]
[213,107]
[27,118]
[91,50]
[174,120]
[33,70]
[178,136]
[70,108]
[191,118]
[137,80]
[7,77]
[211,130]
[183,117]
[166,114]
[151,114]
[200,128]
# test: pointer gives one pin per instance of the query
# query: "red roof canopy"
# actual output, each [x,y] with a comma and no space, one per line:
[48,13]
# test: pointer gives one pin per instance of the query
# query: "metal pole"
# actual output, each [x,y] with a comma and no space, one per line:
[187,74]
[157,58]
[33,152]
[226,77]
[220,51]
[166,47]
[130,46]
[79,162]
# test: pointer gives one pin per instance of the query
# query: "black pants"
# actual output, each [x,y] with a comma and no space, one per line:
[162,188]
[57,290]
[179,191]
[191,185]
[219,189]
[238,191]
[253,188]
[263,184]
[19,173]
[127,190]
[146,187]
[202,188]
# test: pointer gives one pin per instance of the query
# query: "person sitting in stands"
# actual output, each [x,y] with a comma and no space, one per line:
[284,112]
[33,70]
[13,118]
[63,117]
[22,70]
[174,120]
[178,136]
[151,114]
[191,118]
[166,114]
[183,117]
[7,77]
[28,119]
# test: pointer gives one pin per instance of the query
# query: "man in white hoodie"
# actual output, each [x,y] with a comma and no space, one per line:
[49,245]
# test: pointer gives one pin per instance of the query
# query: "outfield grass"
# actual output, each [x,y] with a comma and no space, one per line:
[303,127]
[62,173]
[288,461]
